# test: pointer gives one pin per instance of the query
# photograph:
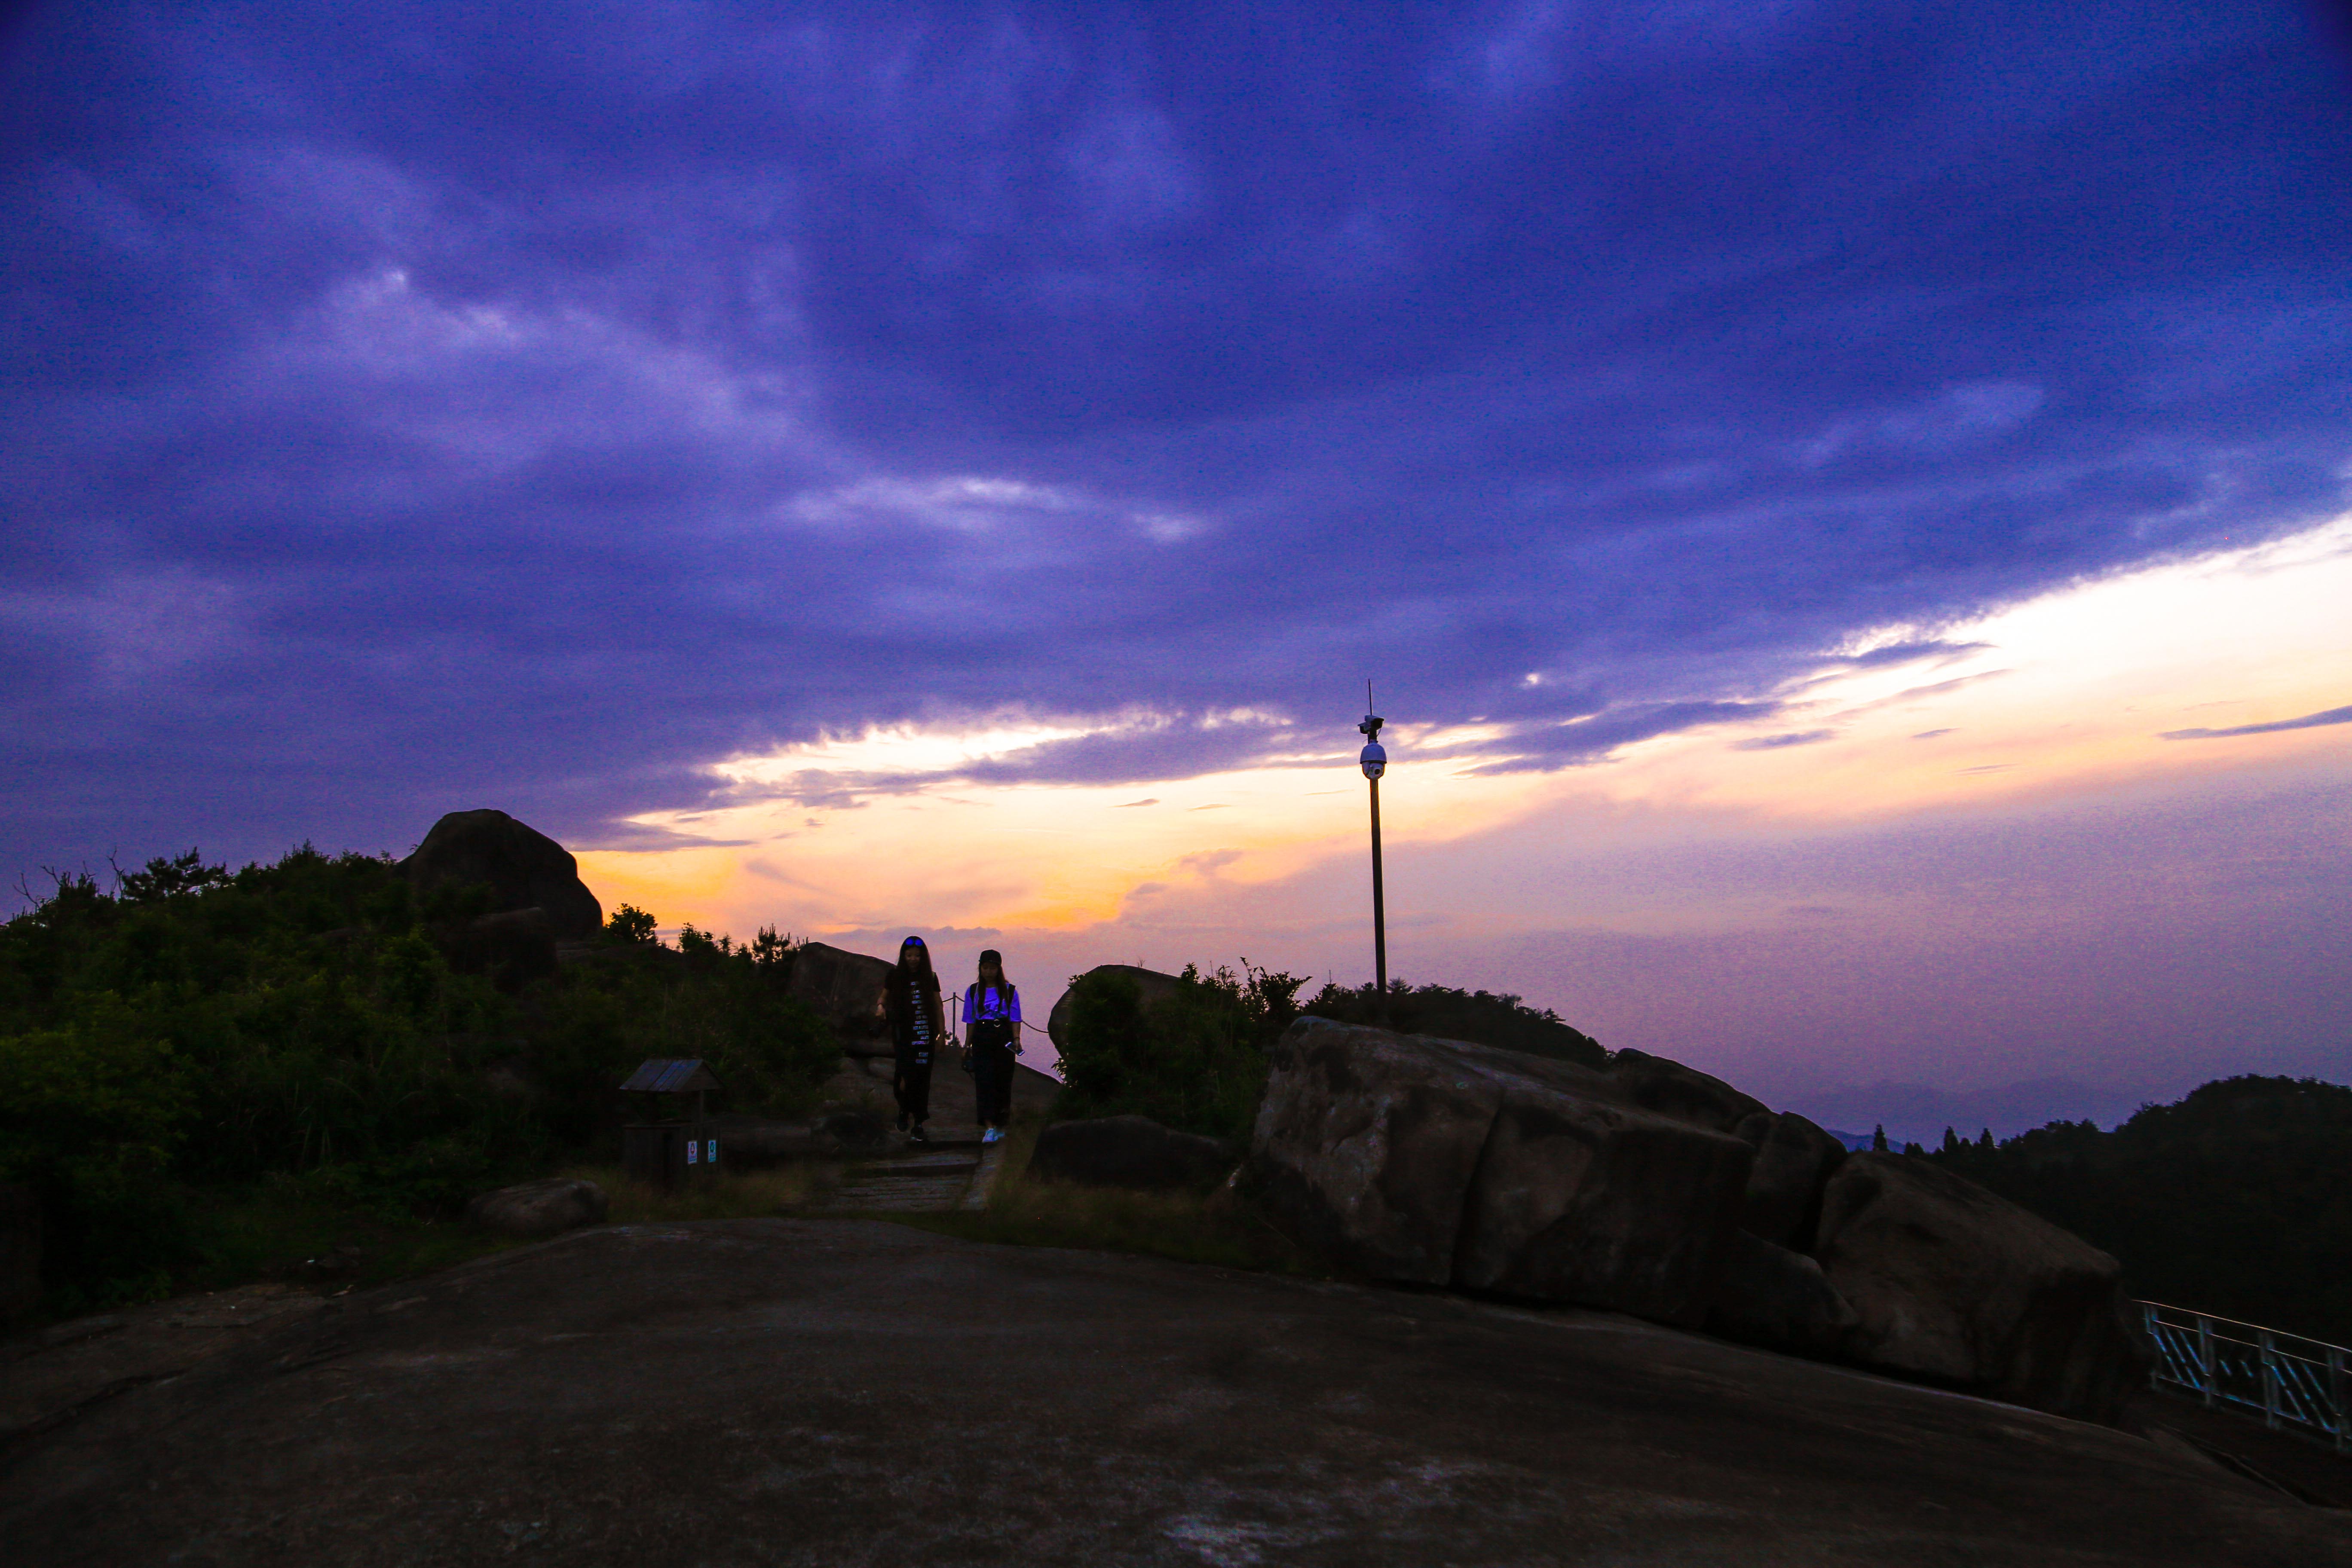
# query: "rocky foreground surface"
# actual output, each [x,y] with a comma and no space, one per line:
[834,1392]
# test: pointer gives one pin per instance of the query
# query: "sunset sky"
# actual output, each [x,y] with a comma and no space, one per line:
[1847,508]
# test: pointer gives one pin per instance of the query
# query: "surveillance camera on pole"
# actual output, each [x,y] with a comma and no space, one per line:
[1375,763]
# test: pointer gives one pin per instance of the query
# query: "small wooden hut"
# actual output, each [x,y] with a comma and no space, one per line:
[676,1146]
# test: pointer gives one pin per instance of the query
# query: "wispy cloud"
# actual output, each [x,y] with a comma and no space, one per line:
[1777,743]
[1542,747]
[2308,721]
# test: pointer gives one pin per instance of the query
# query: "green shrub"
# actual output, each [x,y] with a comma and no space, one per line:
[1195,1059]
[91,1116]
[726,1005]
[318,1020]
[1454,1014]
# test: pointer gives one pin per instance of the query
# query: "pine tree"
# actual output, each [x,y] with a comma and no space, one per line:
[1878,1139]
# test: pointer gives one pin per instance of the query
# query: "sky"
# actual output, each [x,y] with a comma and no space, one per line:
[1846,508]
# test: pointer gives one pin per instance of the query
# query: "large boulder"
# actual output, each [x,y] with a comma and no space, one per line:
[847,989]
[1577,1199]
[523,867]
[1153,985]
[1369,1140]
[1127,1151]
[1795,1160]
[20,1250]
[1780,1299]
[534,1209]
[1953,1284]
[1443,1163]
[1685,1094]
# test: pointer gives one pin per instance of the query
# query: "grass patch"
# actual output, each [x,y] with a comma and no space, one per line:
[745,1194]
[286,1230]
[1223,1227]
[303,1232]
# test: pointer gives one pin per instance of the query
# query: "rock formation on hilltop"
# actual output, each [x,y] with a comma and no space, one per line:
[1656,1190]
[847,989]
[1150,984]
[523,867]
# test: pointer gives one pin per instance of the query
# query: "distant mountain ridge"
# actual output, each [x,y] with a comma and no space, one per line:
[1918,1113]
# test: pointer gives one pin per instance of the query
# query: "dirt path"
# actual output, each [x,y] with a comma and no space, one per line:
[841,1392]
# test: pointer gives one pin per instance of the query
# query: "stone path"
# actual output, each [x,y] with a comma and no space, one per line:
[955,1170]
[948,1173]
[917,1180]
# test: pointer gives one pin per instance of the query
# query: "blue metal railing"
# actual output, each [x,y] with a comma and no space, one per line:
[2294,1381]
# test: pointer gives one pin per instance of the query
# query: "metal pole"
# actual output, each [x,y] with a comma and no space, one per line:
[2270,1383]
[2205,1354]
[2148,1324]
[1379,911]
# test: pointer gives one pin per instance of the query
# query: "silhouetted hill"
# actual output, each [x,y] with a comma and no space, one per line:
[1918,1112]
[2233,1201]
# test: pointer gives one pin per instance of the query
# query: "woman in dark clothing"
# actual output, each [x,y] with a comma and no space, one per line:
[991,1032]
[917,1022]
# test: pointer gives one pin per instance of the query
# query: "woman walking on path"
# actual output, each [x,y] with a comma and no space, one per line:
[916,1024]
[992,1031]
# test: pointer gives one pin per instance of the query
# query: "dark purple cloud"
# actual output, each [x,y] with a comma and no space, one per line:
[417,406]
[2308,721]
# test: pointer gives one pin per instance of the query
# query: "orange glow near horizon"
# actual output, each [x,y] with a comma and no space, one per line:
[2064,695]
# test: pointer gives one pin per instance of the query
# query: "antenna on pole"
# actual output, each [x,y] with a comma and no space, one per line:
[1375,761]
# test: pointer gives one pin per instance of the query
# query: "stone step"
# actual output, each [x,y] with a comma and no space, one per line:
[956,1162]
[898,1196]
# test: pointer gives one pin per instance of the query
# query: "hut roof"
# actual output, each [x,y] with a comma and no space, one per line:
[667,1075]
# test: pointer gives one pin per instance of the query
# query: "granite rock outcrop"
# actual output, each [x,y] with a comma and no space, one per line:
[848,991]
[1656,1190]
[523,867]
[1151,983]
[1957,1285]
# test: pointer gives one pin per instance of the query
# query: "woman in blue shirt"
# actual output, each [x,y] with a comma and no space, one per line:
[991,1032]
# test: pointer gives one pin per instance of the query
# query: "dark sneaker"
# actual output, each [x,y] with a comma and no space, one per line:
[902,1121]
[919,1135]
